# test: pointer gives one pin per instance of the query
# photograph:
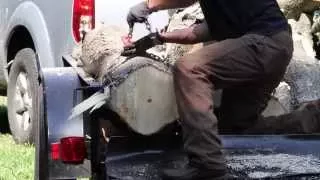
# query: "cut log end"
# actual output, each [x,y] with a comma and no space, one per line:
[146,100]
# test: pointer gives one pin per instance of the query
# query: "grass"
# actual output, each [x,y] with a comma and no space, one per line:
[16,161]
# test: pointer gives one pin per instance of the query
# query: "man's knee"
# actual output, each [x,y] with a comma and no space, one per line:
[185,65]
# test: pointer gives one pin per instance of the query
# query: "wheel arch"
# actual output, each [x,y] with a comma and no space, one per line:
[19,38]
[28,24]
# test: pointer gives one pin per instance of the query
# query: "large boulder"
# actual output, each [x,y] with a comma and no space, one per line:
[292,9]
[303,78]
[302,34]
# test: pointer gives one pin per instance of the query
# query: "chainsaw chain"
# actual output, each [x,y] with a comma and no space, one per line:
[113,80]
[157,58]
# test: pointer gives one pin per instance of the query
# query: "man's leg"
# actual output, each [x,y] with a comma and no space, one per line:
[241,107]
[226,64]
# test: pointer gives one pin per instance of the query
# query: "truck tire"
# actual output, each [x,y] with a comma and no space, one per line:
[21,91]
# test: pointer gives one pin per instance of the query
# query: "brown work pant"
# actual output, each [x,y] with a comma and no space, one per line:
[248,69]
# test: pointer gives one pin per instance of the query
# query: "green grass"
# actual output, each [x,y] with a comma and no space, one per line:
[16,161]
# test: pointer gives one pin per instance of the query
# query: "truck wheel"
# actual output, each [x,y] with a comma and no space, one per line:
[21,91]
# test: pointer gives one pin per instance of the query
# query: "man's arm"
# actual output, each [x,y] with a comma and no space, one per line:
[195,34]
[156,5]
[140,12]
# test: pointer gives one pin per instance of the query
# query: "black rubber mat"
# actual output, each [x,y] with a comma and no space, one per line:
[248,157]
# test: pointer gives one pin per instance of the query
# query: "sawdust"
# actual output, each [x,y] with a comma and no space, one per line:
[101,49]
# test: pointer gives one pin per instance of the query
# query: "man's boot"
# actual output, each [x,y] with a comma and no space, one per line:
[304,120]
[192,172]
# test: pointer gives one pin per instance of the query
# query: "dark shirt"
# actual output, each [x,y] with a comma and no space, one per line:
[234,18]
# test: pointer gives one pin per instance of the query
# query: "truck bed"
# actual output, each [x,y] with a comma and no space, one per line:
[254,157]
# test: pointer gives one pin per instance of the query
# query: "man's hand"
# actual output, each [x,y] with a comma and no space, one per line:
[138,14]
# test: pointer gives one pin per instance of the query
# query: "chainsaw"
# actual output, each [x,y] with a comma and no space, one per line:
[139,47]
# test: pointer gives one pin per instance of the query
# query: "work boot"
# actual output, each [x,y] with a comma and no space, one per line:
[303,120]
[311,116]
[190,172]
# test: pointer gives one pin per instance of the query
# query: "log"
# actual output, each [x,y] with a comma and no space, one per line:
[145,99]
[144,96]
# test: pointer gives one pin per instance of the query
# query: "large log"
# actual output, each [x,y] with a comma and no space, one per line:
[145,99]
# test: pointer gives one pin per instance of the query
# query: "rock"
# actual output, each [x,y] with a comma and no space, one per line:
[302,36]
[274,108]
[315,29]
[303,77]
[303,71]
[283,95]
[292,9]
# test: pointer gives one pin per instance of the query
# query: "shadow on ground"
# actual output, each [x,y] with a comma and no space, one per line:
[4,125]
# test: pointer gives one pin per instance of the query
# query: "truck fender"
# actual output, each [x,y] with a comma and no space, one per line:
[34,22]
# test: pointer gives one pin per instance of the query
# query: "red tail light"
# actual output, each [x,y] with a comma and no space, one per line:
[55,151]
[71,150]
[83,17]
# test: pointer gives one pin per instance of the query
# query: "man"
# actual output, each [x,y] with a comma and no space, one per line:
[251,50]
